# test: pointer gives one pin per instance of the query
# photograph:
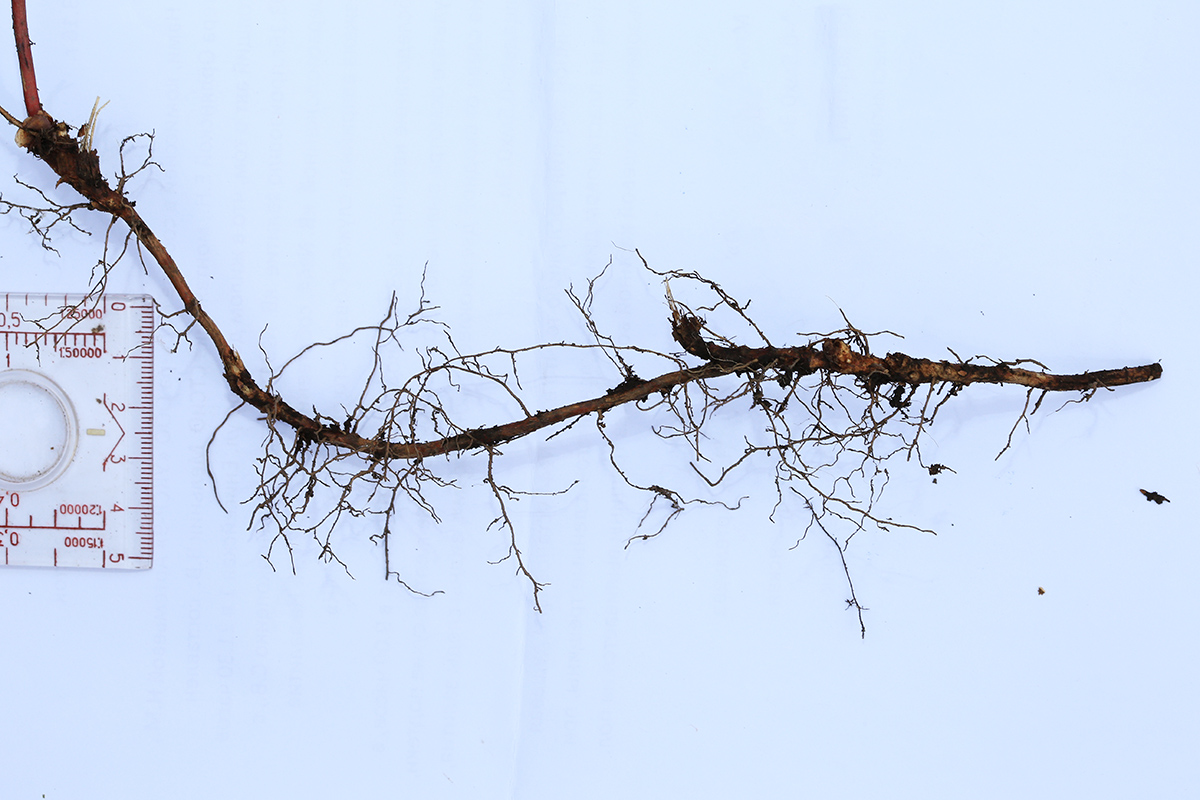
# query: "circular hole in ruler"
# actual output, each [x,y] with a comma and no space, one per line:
[38,430]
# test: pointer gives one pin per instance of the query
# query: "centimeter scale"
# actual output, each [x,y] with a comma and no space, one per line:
[76,430]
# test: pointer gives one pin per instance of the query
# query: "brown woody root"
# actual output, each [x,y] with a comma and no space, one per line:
[836,356]
[53,143]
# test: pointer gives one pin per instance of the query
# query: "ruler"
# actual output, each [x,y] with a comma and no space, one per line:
[76,430]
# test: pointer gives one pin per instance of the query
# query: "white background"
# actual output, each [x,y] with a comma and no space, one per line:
[1019,181]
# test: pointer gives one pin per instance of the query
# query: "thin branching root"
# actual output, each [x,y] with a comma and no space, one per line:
[831,416]
[822,420]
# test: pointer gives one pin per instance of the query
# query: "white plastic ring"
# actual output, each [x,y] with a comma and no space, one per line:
[38,430]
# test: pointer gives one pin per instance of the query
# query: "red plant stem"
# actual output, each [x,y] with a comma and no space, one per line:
[33,104]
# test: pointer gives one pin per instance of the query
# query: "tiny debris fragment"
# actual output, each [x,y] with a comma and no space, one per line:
[1154,496]
[937,469]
